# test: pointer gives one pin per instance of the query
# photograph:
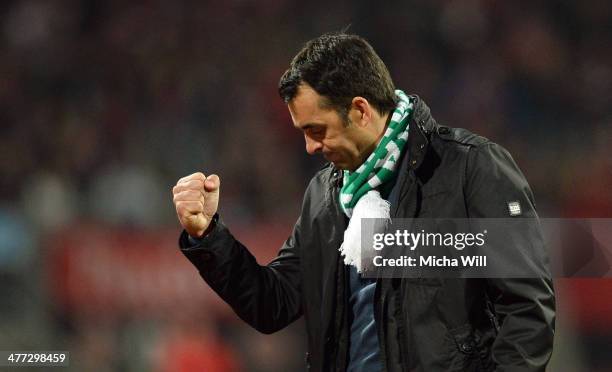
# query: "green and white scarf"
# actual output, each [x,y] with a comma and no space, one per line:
[359,197]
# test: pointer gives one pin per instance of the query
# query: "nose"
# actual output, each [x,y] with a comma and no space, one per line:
[312,146]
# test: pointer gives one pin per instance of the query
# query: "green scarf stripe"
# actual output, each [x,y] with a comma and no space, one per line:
[383,174]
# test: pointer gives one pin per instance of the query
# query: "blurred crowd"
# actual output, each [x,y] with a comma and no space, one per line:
[105,104]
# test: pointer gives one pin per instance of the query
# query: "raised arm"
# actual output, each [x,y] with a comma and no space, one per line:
[266,297]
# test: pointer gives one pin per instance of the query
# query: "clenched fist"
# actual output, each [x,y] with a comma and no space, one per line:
[196,198]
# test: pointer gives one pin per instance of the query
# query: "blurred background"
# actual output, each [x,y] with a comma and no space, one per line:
[105,104]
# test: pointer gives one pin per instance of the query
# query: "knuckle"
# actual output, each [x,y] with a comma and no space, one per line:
[185,212]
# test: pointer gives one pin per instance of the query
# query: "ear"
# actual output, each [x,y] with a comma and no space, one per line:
[361,111]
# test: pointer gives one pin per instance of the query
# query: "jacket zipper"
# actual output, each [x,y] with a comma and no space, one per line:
[490,310]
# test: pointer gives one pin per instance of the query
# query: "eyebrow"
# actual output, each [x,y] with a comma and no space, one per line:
[308,126]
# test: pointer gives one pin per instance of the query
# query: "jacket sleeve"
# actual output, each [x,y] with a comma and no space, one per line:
[266,297]
[525,307]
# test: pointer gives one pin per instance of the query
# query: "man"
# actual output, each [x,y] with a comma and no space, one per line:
[382,146]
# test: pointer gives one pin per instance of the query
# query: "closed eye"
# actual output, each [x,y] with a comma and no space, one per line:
[315,131]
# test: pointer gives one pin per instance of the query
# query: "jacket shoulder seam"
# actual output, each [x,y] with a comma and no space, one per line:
[477,144]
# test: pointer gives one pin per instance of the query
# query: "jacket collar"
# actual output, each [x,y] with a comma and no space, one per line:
[421,125]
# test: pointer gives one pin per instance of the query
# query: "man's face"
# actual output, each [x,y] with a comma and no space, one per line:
[325,132]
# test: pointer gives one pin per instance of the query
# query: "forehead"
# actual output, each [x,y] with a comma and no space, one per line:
[306,107]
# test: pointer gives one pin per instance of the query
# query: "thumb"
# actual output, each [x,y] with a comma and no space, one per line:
[212,183]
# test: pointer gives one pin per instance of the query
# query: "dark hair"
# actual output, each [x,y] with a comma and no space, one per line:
[340,66]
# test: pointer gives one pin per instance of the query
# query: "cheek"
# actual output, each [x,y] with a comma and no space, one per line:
[334,145]
[337,142]
[346,146]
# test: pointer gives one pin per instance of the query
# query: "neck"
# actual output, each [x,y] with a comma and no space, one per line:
[380,127]
[384,123]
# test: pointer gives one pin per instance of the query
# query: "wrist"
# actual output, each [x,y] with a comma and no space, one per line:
[203,233]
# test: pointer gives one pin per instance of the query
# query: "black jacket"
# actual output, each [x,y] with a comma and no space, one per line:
[424,324]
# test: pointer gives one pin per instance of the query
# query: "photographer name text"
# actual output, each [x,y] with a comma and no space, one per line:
[431,261]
